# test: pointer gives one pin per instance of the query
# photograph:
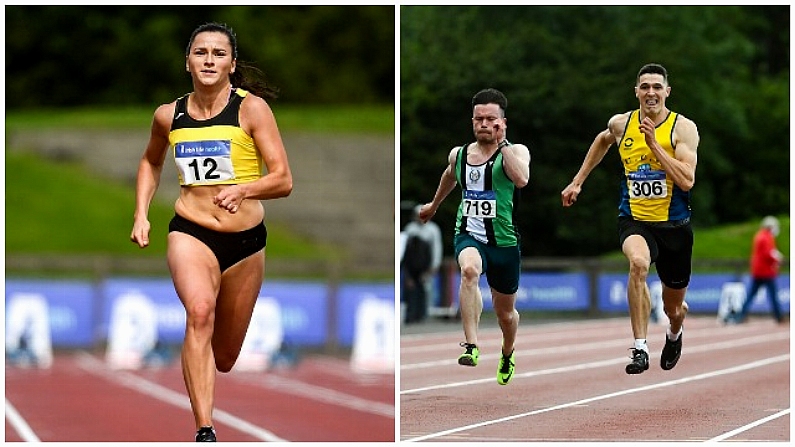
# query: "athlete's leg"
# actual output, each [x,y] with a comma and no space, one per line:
[469,296]
[637,252]
[675,306]
[194,270]
[240,288]
[508,317]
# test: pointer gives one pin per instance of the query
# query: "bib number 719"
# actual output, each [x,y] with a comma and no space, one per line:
[480,204]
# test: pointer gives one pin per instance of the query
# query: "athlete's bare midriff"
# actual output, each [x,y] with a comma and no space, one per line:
[195,203]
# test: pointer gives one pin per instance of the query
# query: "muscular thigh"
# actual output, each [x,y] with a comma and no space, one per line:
[194,270]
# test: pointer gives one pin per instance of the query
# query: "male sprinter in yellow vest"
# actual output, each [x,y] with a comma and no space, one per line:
[491,172]
[657,148]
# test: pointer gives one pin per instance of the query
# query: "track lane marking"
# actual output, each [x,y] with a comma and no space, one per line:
[709,375]
[167,395]
[728,344]
[20,425]
[320,394]
[747,427]
[561,327]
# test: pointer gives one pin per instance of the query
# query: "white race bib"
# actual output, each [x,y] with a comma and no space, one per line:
[647,185]
[207,161]
[480,204]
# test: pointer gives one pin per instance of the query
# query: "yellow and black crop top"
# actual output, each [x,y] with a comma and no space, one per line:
[215,151]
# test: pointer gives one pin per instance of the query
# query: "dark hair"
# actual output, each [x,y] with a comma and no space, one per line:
[490,96]
[246,76]
[653,69]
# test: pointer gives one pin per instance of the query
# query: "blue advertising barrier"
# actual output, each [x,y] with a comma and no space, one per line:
[70,307]
[703,293]
[541,291]
[303,307]
[169,310]
[349,297]
[80,312]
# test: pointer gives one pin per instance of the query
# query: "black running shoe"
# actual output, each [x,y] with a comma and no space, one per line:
[205,434]
[670,353]
[640,362]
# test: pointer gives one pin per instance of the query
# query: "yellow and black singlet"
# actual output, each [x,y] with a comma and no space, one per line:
[647,193]
[215,151]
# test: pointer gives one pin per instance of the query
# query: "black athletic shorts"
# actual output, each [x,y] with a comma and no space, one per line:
[502,265]
[670,245]
[229,248]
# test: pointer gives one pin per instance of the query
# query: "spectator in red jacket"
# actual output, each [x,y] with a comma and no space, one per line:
[765,262]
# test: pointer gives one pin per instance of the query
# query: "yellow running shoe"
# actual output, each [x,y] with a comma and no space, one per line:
[470,357]
[505,369]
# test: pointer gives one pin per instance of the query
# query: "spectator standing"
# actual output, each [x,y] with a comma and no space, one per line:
[422,257]
[765,263]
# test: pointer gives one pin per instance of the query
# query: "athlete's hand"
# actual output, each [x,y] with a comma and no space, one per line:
[647,128]
[140,233]
[499,133]
[426,212]
[230,198]
[569,195]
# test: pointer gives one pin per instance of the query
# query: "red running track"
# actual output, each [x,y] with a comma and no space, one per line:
[732,383]
[79,399]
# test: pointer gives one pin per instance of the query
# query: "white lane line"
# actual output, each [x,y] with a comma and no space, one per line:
[320,394]
[20,425]
[739,430]
[94,366]
[728,344]
[562,326]
[539,337]
[709,375]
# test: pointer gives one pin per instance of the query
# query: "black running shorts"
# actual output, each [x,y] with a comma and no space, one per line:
[229,248]
[670,245]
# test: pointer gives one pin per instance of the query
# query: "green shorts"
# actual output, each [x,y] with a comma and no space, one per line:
[501,265]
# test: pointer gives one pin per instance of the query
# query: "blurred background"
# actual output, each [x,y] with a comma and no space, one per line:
[82,83]
[565,71]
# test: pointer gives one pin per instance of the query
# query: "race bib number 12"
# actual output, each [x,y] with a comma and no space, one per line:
[206,161]
[480,204]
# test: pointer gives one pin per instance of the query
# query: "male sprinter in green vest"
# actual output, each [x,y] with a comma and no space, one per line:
[491,171]
[658,151]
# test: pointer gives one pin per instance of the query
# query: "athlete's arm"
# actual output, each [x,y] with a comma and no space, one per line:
[682,167]
[256,118]
[516,163]
[596,152]
[446,185]
[149,169]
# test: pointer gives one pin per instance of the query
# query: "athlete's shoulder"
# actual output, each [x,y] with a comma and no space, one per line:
[164,114]
[452,156]
[685,123]
[619,120]
[686,131]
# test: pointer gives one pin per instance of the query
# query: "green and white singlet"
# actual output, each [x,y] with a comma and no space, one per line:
[488,202]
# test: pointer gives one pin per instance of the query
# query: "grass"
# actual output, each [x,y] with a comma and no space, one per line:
[734,240]
[70,211]
[67,210]
[378,119]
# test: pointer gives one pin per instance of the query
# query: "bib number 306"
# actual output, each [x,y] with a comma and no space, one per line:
[648,185]
[480,204]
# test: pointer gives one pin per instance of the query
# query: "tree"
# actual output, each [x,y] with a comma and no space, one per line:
[566,71]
